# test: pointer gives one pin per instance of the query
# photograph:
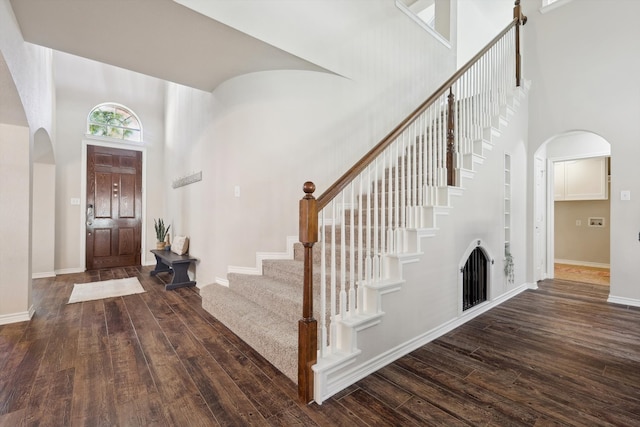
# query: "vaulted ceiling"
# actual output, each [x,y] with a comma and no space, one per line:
[160,38]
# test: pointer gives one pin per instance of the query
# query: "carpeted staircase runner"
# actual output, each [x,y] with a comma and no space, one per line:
[263,310]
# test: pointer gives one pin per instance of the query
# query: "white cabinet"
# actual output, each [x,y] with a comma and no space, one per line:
[584,179]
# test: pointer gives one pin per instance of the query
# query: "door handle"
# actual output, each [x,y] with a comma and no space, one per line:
[89,215]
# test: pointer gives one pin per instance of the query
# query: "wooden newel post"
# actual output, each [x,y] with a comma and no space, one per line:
[522,20]
[451,144]
[307,326]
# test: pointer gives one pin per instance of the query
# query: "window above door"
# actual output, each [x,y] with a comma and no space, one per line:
[115,121]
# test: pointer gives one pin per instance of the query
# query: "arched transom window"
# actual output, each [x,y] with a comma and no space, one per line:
[114,121]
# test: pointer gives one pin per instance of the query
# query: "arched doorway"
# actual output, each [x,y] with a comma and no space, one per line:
[566,147]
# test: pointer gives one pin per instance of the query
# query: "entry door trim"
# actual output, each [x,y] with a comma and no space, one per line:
[83,195]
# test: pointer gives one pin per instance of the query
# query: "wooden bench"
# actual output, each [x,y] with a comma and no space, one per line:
[167,261]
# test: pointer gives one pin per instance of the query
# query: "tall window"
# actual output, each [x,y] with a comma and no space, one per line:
[114,121]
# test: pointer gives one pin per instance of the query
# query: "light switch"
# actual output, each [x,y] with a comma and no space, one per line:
[75,201]
[578,222]
[236,191]
[625,195]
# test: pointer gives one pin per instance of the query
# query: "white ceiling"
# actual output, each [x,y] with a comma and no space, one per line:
[160,38]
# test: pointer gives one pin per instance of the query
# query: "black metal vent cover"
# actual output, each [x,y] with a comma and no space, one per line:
[475,276]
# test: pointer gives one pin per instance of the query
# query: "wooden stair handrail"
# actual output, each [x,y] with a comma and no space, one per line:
[311,206]
[335,189]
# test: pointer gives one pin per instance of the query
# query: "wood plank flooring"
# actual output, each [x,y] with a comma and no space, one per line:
[582,273]
[559,355]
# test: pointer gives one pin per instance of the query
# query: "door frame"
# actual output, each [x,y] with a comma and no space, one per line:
[124,145]
[541,205]
[551,211]
[597,150]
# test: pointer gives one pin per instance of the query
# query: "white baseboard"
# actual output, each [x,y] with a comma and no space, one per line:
[43,275]
[261,256]
[24,316]
[582,263]
[326,384]
[624,301]
[221,281]
[69,271]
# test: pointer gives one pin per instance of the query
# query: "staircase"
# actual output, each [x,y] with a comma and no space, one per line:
[369,224]
[263,310]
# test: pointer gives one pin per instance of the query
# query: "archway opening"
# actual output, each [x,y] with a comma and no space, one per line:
[572,227]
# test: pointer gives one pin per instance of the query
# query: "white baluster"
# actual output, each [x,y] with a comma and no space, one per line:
[352,251]
[368,260]
[361,253]
[391,189]
[383,212]
[323,287]
[403,183]
[376,224]
[396,195]
[343,260]
[333,326]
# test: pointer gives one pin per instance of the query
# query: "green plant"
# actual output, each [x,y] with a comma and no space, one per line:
[161,231]
[109,123]
[509,266]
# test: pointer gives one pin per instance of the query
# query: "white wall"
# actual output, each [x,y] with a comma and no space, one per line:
[15,276]
[29,69]
[81,85]
[575,145]
[270,132]
[477,23]
[430,299]
[43,227]
[583,78]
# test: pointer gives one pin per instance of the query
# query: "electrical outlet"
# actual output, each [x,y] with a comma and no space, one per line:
[578,222]
[625,195]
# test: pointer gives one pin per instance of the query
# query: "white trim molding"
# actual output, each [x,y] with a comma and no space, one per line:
[436,35]
[261,256]
[330,379]
[122,145]
[24,316]
[549,5]
[582,263]
[70,270]
[43,275]
[624,301]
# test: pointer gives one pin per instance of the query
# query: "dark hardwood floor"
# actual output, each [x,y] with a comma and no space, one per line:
[556,356]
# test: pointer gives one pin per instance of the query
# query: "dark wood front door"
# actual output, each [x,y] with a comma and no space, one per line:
[114,207]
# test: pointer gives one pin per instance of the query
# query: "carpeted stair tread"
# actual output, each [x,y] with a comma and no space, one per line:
[287,271]
[291,272]
[275,338]
[284,299]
